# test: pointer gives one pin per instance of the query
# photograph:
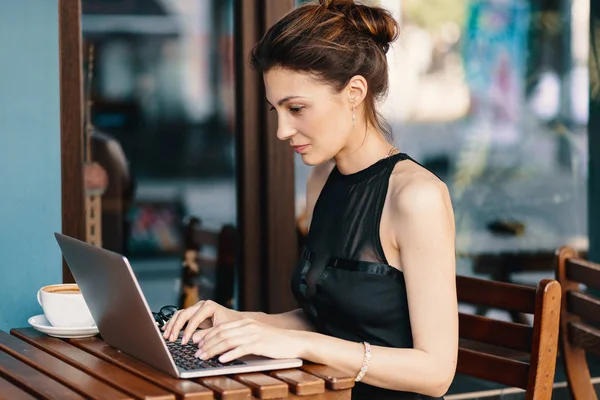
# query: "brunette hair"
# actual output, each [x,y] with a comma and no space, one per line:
[333,40]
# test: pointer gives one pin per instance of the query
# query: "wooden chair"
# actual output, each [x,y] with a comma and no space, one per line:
[211,254]
[577,311]
[509,353]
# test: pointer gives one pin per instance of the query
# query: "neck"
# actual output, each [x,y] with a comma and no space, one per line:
[362,152]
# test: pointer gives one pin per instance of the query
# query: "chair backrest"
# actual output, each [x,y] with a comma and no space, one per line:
[509,353]
[578,309]
[211,254]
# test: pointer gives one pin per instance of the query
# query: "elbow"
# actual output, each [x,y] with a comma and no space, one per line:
[438,390]
[440,385]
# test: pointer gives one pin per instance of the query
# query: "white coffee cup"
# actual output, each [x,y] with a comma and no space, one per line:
[64,306]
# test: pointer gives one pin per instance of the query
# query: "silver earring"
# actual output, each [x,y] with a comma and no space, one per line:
[353,117]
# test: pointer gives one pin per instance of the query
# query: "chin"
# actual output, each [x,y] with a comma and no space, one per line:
[312,159]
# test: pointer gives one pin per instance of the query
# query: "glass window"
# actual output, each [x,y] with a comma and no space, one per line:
[492,96]
[162,91]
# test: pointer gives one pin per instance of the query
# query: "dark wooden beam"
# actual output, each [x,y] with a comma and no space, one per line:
[594,134]
[71,122]
[282,253]
[249,157]
[266,206]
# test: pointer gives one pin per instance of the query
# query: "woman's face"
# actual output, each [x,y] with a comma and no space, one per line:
[315,119]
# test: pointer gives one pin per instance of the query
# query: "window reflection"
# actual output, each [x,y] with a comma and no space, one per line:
[492,96]
[162,89]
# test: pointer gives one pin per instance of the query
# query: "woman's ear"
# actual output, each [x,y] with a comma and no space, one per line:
[357,89]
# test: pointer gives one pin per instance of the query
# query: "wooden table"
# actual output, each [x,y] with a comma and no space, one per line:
[34,365]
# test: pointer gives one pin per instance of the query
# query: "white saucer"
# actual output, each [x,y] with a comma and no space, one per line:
[40,323]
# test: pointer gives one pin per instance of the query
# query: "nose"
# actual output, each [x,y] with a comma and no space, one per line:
[284,129]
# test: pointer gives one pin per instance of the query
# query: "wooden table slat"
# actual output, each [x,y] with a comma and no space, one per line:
[345,394]
[9,391]
[300,382]
[226,388]
[93,366]
[183,388]
[58,370]
[34,365]
[37,382]
[263,386]
[334,378]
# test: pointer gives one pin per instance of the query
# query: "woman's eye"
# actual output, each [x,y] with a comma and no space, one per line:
[296,109]
[271,108]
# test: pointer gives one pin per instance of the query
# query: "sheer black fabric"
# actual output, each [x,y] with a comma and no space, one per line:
[343,281]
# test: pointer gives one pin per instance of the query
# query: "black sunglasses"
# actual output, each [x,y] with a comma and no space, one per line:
[164,315]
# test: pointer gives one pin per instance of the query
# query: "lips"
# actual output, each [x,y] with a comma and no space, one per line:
[300,149]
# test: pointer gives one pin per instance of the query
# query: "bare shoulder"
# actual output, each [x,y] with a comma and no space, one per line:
[415,190]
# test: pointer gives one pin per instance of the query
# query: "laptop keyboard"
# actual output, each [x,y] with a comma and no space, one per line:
[183,355]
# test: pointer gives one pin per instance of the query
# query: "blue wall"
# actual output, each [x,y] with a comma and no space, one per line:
[30,193]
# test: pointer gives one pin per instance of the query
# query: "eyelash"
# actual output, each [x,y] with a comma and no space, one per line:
[294,110]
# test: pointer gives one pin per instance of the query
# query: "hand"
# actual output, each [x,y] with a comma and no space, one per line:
[204,314]
[246,336]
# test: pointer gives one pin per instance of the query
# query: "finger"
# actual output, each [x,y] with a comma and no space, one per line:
[198,336]
[207,310]
[222,346]
[170,323]
[219,329]
[225,336]
[234,354]
[179,321]
[171,320]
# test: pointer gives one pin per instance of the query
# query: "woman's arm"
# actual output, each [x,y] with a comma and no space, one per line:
[425,234]
[294,320]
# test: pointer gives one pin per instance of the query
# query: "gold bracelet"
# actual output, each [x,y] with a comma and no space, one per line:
[365,365]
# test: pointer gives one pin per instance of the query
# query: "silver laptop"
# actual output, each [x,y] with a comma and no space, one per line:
[125,321]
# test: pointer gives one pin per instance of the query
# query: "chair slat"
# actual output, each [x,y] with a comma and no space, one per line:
[8,391]
[334,379]
[493,368]
[35,381]
[545,338]
[584,306]
[59,370]
[226,388]
[585,337]
[583,271]
[499,333]
[263,386]
[300,382]
[572,310]
[506,296]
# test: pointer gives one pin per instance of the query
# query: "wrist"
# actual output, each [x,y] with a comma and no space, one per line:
[255,315]
[302,344]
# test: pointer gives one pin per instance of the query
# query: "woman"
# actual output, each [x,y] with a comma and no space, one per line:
[376,282]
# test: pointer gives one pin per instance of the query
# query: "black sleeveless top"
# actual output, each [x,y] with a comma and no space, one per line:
[343,281]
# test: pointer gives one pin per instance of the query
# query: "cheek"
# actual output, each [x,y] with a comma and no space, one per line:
[323,127]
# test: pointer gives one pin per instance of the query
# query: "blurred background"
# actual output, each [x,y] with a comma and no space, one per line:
[490,95]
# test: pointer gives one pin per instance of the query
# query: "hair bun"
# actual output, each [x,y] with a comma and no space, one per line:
[376,22]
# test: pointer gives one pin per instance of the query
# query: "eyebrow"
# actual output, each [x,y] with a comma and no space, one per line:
[285,100]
